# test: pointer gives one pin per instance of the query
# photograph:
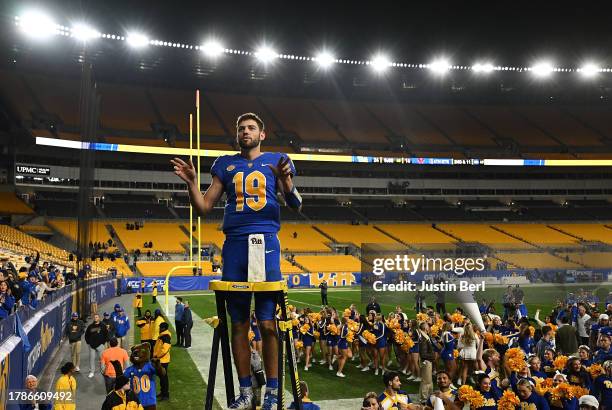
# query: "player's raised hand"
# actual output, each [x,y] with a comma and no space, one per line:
[185,170]
[282,169]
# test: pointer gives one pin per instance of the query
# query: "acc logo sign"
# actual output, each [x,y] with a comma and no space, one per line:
[4,379]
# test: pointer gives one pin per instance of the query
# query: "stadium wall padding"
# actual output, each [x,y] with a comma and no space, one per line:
[45,329]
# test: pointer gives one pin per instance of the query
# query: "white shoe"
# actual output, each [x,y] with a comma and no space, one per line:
[334,360]
[389,363]
[410,378]
[359,366]
[459,382]
[331,367]
[370,364]
[90,375]
[305,368]
[366,369]
[322,361]
[376,372]
[417,380]
[76,369]
[340,375]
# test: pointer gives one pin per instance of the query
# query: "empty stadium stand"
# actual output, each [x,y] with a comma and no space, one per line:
[11,205]
[166,237]
[329,263]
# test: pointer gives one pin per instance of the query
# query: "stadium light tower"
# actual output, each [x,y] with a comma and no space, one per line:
[380,63]
[440,66]
[325,59]
[212,48]
[266,54]
[137,40]
[589,70]
[542,69]
[485,67]
[83,32]
[36,24]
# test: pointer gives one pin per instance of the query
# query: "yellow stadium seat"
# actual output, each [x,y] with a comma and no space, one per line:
[11,205]
[538,234]
[329,263]
[355,234]
[307,239]
[533,260]
[588,232]
[483,233]
[421,236]
[162,268]
[166,237]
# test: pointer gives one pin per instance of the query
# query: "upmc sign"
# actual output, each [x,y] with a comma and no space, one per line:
[32,170]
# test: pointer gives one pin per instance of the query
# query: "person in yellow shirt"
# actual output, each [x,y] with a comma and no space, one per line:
[154,292]
[145,324]
[161,353]
[137,303]
[159,319]
[66,387]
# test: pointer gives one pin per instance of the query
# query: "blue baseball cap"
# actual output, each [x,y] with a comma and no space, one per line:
[117,305]
[75,314]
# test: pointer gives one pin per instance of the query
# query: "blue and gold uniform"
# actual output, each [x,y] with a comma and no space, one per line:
[142,382]
[399,400]
[251,208]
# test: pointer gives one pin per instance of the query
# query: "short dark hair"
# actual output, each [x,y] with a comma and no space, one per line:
[546,329]
[113,342]
[387,377]
[251,116]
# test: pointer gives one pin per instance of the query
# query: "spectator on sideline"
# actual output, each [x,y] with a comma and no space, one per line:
[161,353]
[178,321]
[583,324]
[158,320]
[307,404]
[373,305]
[75,331]
[95,337]
[7,301]
[188,324]
[66,387]
[122,325]
[323,287]
[154,291]
[114,352]
[143,286]
[110,327]
[115,312]
[566,338]
[137,303]
[31,385]
[121,397]
[146,328]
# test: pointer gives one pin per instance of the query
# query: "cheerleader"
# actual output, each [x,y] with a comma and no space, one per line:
[322,329]
[308,339]
[515,377]
[529,399]
[525,340]
[413,353]
[373,353]
[547,363]
[490,393]
[560,403]
[332,338]
[391,338]
[468,343]
[363,344]
[257,343]
[343,347]
[449,343]
[576,375]
[534,368]
[584,353]
[380,331]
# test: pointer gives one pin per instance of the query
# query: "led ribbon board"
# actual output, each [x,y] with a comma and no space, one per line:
[143,149]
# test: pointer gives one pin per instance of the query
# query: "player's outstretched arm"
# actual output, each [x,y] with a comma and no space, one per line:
[202,203]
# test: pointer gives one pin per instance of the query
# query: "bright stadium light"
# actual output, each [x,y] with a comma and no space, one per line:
[380,63]
[543,69]
[212,48]
[483,68]
[37,24]
[137,40]
[83,32]
[589,70]
[440,66]
[325,59]
[266,54]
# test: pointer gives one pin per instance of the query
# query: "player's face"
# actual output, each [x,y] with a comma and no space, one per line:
[249,135]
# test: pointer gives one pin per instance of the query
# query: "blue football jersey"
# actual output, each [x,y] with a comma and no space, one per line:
[250,187]
[142,382]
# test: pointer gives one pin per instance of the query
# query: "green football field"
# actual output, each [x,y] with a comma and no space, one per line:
[323,383]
